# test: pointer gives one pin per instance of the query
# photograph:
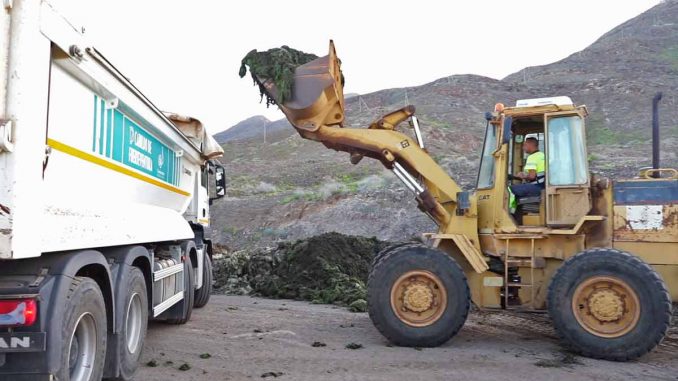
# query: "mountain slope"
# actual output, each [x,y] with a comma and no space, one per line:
[293,188]
[256,127]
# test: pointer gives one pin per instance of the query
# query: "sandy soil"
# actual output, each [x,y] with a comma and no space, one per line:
[241,338]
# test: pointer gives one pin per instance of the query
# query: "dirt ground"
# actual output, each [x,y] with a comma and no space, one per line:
[241,338]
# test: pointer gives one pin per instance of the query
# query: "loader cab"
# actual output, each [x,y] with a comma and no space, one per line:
[558,126]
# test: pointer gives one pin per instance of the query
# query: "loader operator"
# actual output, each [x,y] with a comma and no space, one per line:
[534,171]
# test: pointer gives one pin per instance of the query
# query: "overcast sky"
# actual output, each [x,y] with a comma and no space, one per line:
[185,55]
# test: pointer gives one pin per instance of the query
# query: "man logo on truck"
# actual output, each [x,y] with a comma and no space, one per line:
[15,342]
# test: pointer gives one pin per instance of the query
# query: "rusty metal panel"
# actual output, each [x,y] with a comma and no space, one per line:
[645,210]
[646,223]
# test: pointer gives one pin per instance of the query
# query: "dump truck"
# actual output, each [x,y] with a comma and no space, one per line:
[104,206]
[599,255]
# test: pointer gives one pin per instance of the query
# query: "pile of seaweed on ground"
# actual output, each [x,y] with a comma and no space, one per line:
[331,268]
[278,65]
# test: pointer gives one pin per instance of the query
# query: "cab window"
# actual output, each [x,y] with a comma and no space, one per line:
[486,172]
[566,151]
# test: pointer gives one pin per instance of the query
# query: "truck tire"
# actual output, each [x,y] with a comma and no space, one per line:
[83,333]
[609,304]
[135,323]
[417,296]
[184,308]
[202,295]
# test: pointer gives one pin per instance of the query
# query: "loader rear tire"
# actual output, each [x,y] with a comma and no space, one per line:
[417,296]
[609,304]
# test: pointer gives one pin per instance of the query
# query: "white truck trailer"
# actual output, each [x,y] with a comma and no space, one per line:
[104,206]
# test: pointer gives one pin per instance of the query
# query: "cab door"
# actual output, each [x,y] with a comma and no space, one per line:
[568,192]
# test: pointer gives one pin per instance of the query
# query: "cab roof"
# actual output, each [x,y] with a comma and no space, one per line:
[538,106]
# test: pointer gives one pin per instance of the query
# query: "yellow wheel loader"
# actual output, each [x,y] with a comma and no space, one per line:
[600,255]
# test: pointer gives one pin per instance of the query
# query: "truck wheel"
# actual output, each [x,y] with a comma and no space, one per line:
[417,296]
[609,304]
[202,295]
[83,332]
[184,308]
[134,324]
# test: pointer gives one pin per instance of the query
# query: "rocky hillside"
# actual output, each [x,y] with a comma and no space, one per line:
[256,128]
[288,188]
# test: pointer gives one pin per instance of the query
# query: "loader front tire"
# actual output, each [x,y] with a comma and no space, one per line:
[609,304]
[417,296]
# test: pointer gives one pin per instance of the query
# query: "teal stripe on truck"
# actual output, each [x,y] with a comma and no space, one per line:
[118,146]
[109,132]
[120,138]
[101,127]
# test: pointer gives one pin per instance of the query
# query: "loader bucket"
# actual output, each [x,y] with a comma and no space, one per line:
[317,94]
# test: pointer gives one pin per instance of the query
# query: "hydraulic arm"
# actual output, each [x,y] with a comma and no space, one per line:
[316,110]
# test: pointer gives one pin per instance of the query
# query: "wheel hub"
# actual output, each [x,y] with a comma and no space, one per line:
[606,305]
[82,348]
[418,297]
[74,353]
[133,323]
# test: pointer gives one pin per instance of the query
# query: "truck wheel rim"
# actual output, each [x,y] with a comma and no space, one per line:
[606,306]
[133,323]
[418,298]
[82,348]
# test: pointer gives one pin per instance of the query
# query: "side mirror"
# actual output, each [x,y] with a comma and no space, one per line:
[220,179]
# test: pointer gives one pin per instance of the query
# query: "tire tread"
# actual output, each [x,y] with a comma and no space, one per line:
[565,331]
[381,259]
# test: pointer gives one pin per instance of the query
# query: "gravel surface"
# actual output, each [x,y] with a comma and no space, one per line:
[245,338]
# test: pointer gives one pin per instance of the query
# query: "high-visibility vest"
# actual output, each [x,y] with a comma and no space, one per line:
[536,162]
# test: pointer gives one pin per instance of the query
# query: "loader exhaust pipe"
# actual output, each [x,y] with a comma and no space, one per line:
[655,133]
